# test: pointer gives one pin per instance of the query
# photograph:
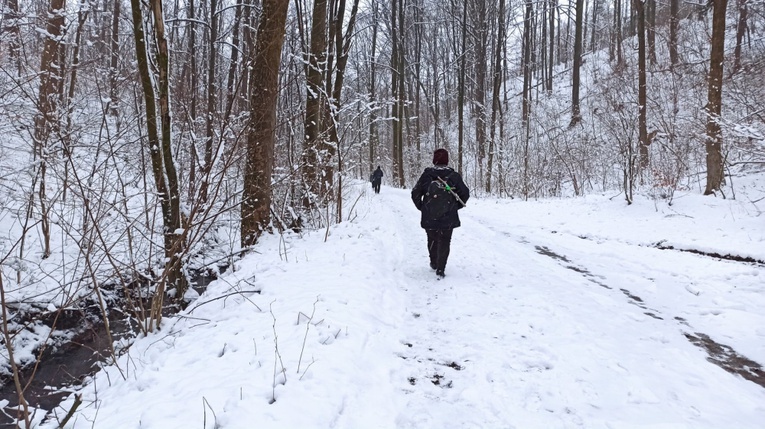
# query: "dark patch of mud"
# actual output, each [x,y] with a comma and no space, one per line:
[728,257]
[728,359]
[542,250]
[454,365]
[438,380]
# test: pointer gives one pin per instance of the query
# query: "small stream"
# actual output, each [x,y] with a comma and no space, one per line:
[66,366]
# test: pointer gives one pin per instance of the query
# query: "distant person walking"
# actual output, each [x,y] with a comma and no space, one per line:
[438,194]
[376,179]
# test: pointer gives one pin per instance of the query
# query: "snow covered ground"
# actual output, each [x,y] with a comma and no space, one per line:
[553,314]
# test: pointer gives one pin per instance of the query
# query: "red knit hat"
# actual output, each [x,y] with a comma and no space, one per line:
[440,157]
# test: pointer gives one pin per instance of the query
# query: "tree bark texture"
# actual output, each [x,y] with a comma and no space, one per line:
[256,197]
[496,88]
[47,120]
[315,99]
[576,115]
[674,22]
[715,173]
[639,6]
[740,32]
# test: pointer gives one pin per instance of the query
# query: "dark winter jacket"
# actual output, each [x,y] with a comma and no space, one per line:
[376,175]
[451,219]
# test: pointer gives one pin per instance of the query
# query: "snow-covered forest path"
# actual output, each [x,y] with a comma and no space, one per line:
[553,314]
[520,330]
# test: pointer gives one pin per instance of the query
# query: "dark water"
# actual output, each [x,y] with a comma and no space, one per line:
[69,364]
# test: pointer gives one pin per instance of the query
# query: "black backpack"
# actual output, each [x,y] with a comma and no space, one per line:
[438,200]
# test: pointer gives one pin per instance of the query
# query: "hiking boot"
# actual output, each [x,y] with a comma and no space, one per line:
[440,273]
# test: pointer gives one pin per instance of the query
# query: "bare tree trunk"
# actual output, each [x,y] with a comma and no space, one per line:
[650,28]
[14,46]
[740,32]
[47,119]
[82,16]
[618,21]
[461,91]
[394,58]
[593,32]
[315,99]
[233,66]
[212,102]
[551,60]
[479,95]
[398,89]
[643,142]
[174,240]
[401,98]
[159,144]
[576,115]
[527,38]
[496,88]
[114,58]
[674,22]
[342,47]
[715,172]
[372,60]
[256,197]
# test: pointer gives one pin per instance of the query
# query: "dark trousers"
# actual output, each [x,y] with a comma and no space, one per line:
[438,247]
[376,186]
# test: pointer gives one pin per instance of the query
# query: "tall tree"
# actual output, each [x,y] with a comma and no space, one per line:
[639,6]
[398,88]
[233,64]
[315,100]
[47,119]
[674,22]
[372,62]
[576,115]
[261,132]
[114,57]
[551,59]
[496,88]
[13,16]
[650,29]
[740,32]
[715,173]
[159,144]
[526,112]
[342,46]
[461,88]
[212,101]
[480,32]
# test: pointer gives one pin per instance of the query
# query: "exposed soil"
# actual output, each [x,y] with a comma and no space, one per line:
[727,257]
[726,358]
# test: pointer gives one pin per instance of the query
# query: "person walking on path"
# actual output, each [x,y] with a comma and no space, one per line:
[376,179]
[438,194]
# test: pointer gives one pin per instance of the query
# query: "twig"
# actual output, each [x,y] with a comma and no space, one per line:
[77,402]
[205,406]
[277,357]
[305,338]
